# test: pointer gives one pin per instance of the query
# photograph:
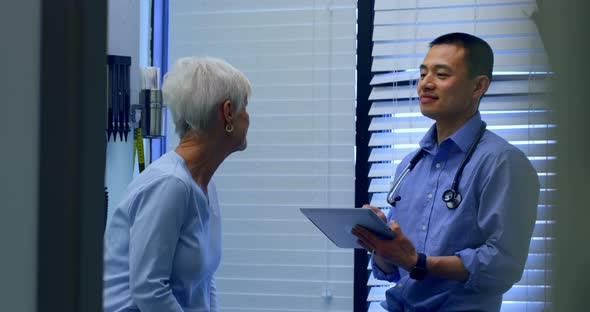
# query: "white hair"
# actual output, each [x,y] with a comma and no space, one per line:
[195,86]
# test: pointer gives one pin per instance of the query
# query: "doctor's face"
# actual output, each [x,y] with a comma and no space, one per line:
[445,89]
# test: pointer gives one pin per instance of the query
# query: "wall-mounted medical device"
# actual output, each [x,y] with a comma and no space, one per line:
[122,116]
[150,99]
[118,99]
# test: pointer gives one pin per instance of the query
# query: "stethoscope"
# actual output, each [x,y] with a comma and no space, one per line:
[451,197]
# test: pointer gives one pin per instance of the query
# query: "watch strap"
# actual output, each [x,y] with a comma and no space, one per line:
[419,271]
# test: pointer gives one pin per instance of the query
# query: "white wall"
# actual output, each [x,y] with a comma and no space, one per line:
[19,126]
[127,36]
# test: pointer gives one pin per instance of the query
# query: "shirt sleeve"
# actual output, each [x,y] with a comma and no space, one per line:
[213,297]
[507,214]
[157,215]
[380,275]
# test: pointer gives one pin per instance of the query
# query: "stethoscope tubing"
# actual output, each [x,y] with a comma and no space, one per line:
[451,197]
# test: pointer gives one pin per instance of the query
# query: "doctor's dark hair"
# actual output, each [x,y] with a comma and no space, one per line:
[194,88]
[478,53]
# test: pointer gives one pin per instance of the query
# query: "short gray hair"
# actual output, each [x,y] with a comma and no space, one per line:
[195,86]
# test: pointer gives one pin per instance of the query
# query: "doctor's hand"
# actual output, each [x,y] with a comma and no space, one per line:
[398,251]
[377,211]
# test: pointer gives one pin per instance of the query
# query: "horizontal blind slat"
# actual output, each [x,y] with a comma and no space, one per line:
[263,302]
[446,14]
[420,46]
[431,31]
[303,197]
[182,7]
[318,168]
[521,61]
[404,4]
[281,271]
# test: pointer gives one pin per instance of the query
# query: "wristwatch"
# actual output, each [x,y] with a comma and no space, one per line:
[419,271]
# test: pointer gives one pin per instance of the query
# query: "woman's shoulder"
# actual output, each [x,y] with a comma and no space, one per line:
[168,167]
[158,179]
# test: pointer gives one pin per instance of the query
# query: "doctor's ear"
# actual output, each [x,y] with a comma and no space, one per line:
[481,85]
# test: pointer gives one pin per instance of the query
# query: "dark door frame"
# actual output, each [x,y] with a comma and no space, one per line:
[72,155]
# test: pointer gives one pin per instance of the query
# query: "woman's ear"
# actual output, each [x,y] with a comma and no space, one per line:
[227,111]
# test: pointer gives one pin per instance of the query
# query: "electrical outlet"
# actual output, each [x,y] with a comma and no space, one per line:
[327,294]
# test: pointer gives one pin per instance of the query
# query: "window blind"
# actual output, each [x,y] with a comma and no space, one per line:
[514,107]
[300,58]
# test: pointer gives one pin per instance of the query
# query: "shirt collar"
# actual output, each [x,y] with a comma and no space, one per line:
[462,137]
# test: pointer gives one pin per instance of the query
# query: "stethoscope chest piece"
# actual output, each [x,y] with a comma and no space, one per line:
[452,198]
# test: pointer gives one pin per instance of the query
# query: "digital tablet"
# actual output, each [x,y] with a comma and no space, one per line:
[337,223]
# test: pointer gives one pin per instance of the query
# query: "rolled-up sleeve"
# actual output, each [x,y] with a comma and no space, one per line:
[507,214]
[159,211]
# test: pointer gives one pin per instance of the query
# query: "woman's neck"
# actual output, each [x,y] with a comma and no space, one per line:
[202,158]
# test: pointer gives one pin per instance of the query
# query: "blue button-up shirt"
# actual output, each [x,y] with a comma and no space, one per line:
[490,230]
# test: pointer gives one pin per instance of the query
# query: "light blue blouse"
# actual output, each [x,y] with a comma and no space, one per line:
[490,230]
[162,245]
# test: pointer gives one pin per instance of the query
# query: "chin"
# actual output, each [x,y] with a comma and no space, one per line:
[243,147]
[427,113]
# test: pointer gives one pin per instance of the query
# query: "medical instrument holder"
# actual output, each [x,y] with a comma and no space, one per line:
[118,97]
[151,112]
[150,100]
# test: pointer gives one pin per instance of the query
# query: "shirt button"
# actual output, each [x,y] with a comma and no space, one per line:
[424,228]
[438,165]
[429,195]
[399,285]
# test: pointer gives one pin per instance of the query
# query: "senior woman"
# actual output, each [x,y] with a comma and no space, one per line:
[162,245]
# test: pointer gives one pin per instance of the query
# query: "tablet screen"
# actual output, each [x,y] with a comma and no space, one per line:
[337,223]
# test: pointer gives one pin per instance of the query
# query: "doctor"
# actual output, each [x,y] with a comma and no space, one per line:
[464,255]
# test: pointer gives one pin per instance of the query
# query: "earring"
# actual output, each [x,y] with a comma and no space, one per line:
[229,128]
